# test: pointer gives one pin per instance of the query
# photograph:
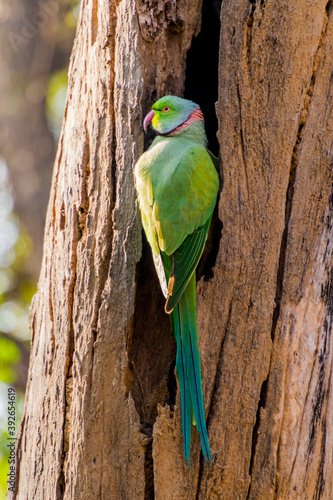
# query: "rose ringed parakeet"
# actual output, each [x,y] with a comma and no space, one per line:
[177,187]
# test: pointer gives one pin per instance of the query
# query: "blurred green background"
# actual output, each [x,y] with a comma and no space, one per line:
[36,39]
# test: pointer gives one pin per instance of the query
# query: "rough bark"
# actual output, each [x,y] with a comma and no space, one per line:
[102,414]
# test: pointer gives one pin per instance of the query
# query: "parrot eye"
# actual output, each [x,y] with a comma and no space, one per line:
[166,109]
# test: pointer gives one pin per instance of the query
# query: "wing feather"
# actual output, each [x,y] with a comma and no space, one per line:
[184,262]
[177,184]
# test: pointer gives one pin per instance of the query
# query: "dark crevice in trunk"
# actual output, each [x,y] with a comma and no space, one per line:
[83,209]
[201,81]
[149,472]
[326,294]
[249,26]
[113,170]
[172,386]
[201,469]
[261,404]
[320,483]
[283,249]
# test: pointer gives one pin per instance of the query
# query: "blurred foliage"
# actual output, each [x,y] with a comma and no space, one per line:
[16,286]
[10,354]
[16,291]
[57,84]
[56,100]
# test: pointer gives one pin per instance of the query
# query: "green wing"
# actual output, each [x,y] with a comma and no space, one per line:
[185,198]
[184,262]
[177,184]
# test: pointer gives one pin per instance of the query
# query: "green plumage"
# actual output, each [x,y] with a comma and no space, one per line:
[177,186]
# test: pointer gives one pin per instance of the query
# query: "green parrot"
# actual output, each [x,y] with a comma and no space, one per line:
[177,186]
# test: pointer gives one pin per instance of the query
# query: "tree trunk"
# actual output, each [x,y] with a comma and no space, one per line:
[102,414]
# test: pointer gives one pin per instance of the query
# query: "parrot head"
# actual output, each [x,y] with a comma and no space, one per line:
[169,113]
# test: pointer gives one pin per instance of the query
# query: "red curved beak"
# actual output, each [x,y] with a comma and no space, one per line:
[148,119]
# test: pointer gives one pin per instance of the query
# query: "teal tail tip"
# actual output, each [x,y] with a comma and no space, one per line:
[207,457]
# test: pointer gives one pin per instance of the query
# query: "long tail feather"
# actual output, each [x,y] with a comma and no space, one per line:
[182,370]
[189,371]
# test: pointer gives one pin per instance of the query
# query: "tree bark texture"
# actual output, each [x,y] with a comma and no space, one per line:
[102,412]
